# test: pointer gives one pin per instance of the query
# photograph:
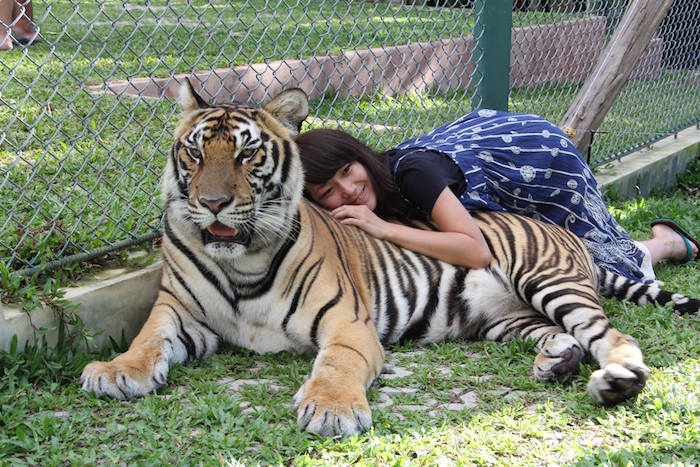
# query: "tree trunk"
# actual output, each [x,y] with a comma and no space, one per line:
[603,85]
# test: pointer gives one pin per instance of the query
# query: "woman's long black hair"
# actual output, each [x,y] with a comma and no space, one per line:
[324,151]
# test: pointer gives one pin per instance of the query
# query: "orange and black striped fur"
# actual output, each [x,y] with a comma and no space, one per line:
[247,261]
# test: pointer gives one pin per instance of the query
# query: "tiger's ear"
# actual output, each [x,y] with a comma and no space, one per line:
[189,99]
[290,107]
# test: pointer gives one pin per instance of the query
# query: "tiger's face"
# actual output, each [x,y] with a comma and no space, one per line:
[234,175]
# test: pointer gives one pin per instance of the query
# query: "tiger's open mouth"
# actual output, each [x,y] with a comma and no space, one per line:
[218,232]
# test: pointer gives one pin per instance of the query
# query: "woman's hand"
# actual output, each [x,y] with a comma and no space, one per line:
[458,242]
[361,216]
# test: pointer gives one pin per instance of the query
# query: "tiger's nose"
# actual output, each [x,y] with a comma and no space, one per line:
[215,205]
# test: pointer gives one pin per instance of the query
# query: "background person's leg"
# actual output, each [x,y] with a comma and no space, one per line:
[24,30]
[6,7]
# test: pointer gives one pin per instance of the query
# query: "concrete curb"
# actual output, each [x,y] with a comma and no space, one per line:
[654,167]
[542,53]
[117,301]
[114,301]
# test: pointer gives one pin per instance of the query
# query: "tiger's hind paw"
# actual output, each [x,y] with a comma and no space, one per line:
[558,358]
[616,383]
[330,410]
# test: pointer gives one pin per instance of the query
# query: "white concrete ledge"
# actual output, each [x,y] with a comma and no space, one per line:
[117,301]
[113,301]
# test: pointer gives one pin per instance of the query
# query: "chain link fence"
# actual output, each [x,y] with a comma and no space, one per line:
[87,112]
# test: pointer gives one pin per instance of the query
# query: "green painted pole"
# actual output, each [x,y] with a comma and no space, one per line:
[491,56]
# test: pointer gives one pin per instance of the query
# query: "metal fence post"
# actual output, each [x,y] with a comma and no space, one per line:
[491,56]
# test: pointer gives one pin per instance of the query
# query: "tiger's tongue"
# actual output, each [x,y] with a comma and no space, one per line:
[220,230]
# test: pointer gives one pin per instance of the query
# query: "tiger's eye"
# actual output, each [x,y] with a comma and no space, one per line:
[194,154]
[245,154]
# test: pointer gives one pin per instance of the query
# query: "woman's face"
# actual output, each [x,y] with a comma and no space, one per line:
[350,185]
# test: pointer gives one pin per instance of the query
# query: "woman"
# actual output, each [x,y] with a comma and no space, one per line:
[487,160]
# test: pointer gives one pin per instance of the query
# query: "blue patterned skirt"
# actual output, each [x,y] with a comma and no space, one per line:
[524,164]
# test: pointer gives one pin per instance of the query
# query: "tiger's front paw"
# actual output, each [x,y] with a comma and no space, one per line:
[615,383]
[329,410]
[123,378]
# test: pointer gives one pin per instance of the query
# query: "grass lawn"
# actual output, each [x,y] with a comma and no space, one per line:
[80,170]
[453,403]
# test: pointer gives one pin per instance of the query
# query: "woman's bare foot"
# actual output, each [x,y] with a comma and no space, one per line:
[25,34]
[669,244]
[5,41]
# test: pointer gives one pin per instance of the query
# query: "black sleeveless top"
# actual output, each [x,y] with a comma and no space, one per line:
[423,174]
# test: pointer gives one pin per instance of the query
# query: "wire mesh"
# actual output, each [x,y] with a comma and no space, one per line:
[87,112]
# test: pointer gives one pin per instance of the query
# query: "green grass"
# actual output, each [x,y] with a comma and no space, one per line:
[58,138]
[178,36]
[201,418]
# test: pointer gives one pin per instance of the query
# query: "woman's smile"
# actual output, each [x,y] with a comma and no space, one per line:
[361,198]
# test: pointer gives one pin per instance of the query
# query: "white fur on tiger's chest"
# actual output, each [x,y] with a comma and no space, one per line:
[258,327]
[262,339]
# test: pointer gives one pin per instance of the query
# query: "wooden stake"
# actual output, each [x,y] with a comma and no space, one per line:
[603,85]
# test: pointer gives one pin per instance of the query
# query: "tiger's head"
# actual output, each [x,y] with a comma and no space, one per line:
[234,180]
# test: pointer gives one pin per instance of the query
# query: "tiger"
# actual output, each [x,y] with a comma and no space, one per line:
[247,261]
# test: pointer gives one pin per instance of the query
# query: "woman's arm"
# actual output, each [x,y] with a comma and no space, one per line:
[458,242]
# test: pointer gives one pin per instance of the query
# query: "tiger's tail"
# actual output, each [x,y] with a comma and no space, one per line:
[612,285]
